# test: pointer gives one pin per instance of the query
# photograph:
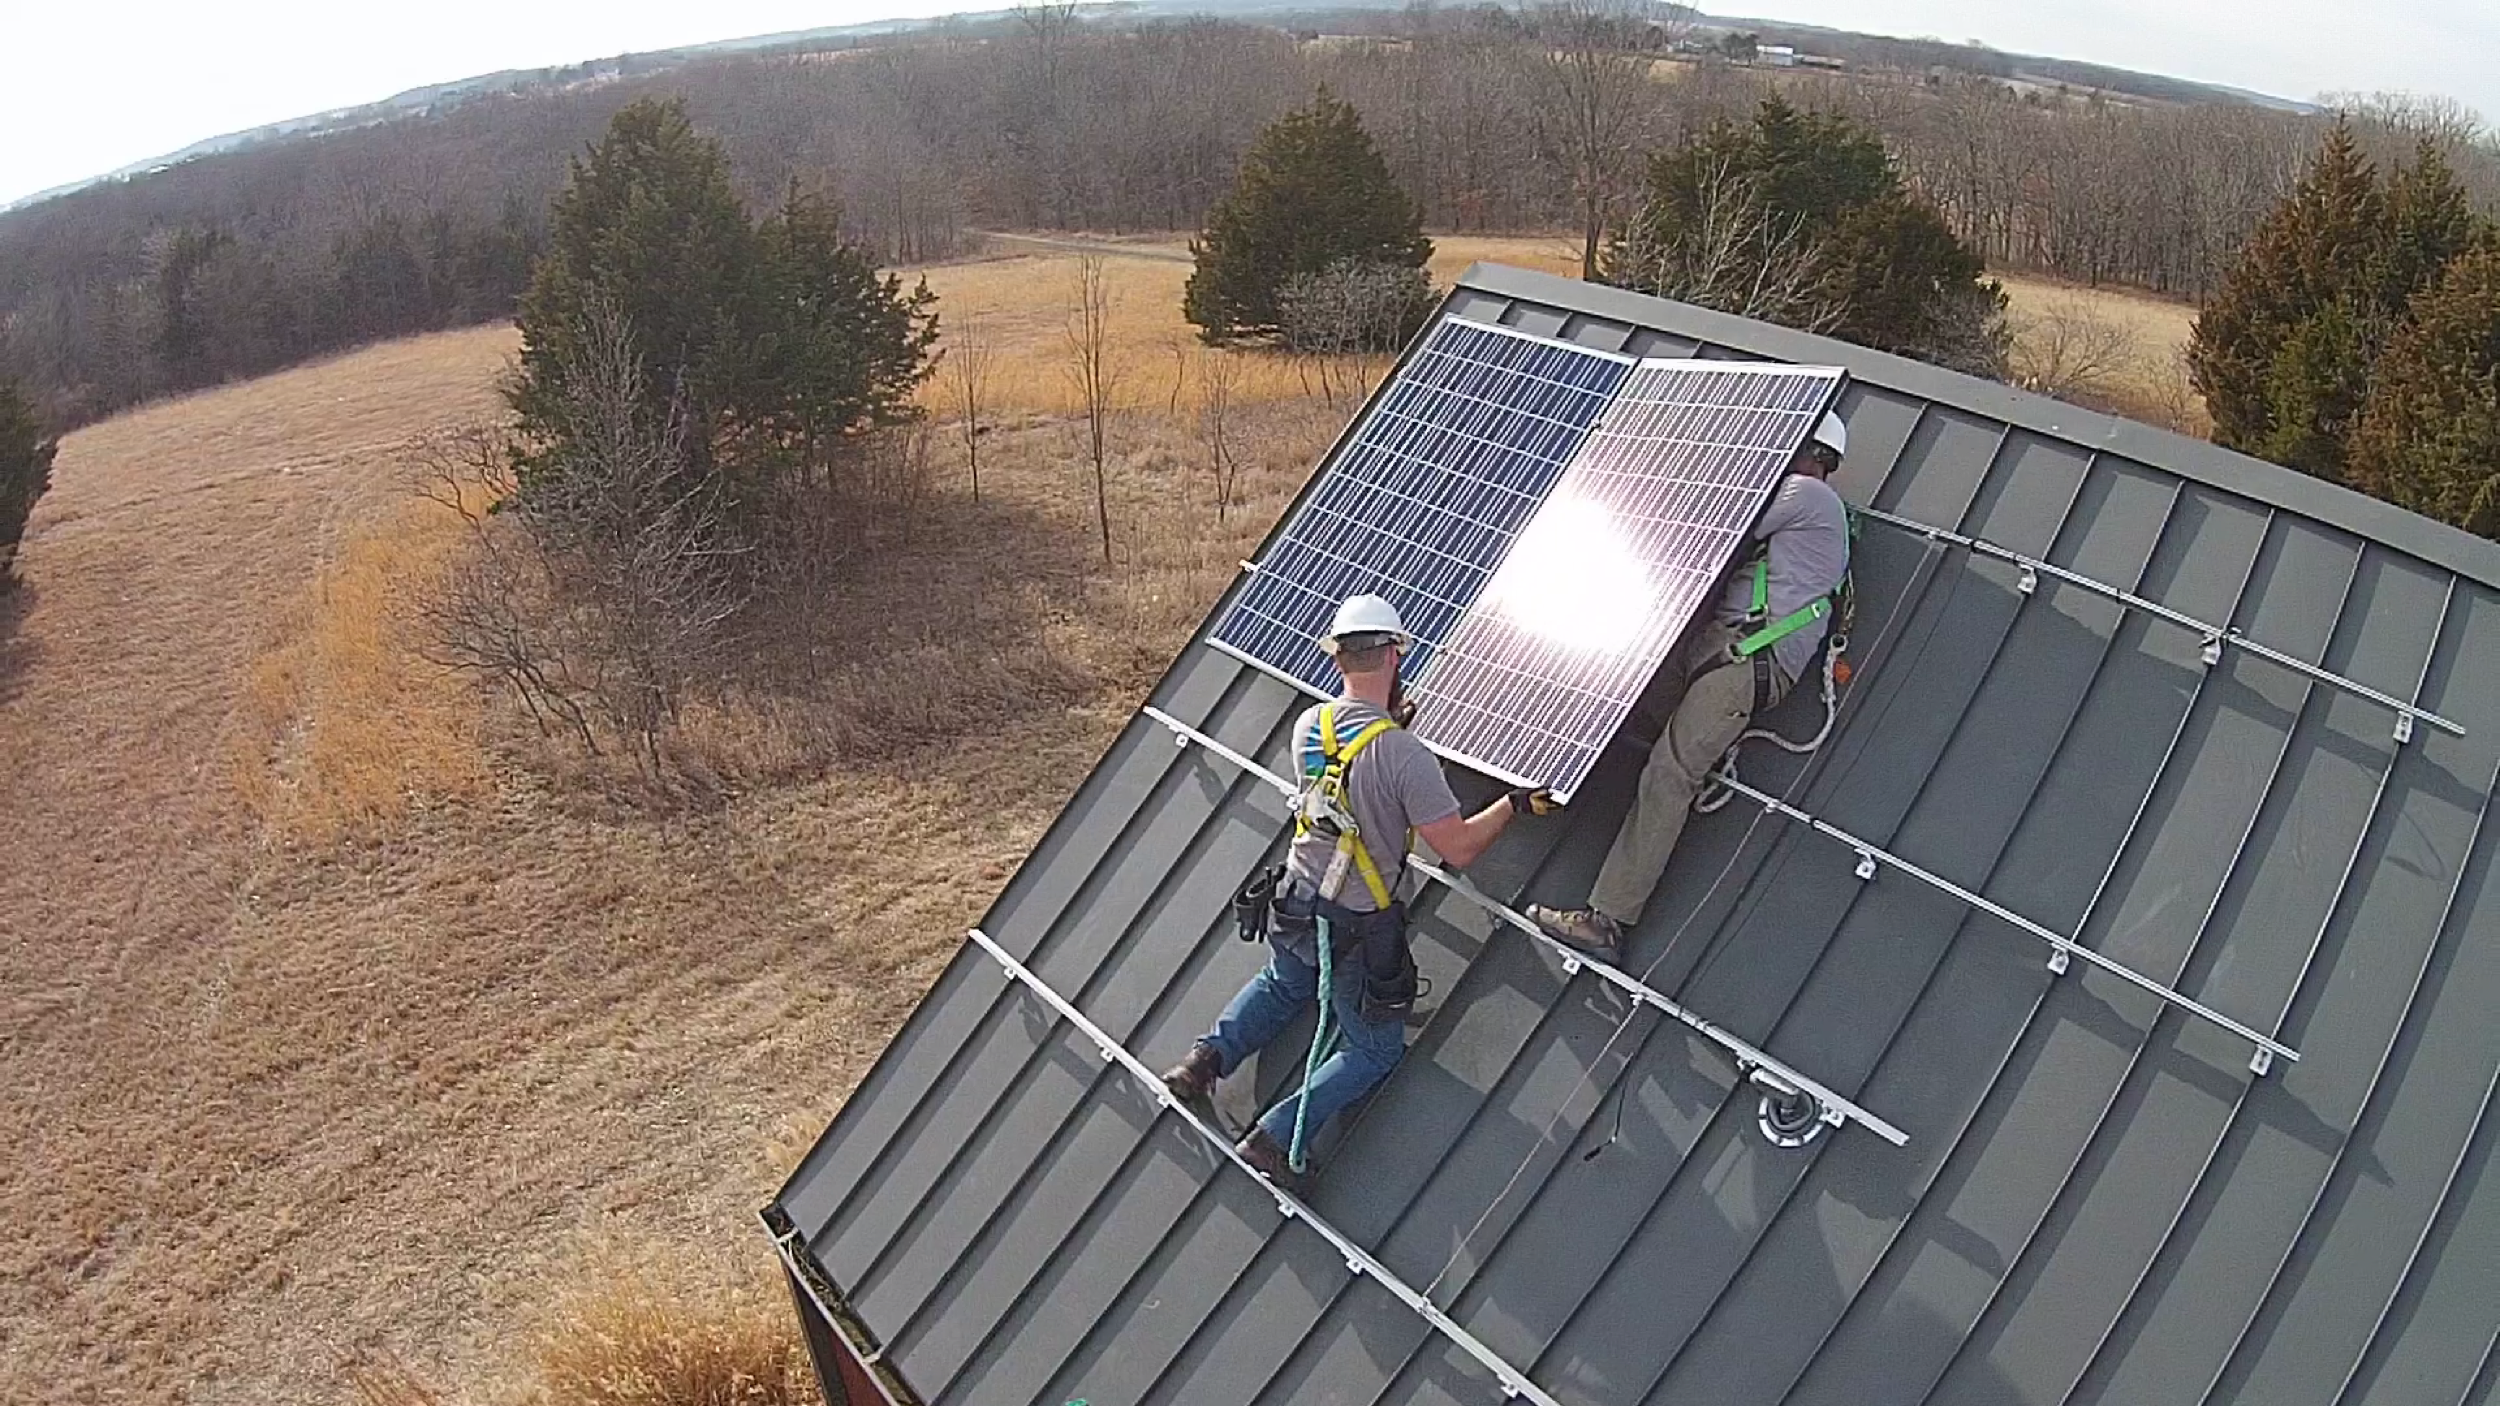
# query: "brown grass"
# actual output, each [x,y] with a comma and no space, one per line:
[330,1042]
[2153,387]
[333,1036]
[346,724]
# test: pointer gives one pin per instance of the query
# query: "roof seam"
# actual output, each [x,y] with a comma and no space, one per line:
[2016,1262]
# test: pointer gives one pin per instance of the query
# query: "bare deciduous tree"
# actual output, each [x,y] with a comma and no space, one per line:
[967,371]
[1219,374]
[492,611]
[1096,373]
[1735,255]
[1595,97]
[2066,349]
[607,583]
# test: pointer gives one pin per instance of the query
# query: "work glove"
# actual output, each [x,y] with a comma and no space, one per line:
[1533,801]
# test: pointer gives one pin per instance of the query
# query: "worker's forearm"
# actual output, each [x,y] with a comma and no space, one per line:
[1481,830]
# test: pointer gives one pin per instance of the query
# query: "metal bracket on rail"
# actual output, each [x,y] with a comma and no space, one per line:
[1829,1106]
[2062,949]
[2211,637]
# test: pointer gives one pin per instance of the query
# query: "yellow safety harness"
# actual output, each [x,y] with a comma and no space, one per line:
[1326,808]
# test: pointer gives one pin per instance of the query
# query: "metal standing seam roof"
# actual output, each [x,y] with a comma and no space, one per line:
[2098,1202]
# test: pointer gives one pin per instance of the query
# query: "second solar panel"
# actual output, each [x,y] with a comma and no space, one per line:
[1625,553]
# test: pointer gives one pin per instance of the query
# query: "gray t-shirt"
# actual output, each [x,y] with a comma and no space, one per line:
[1808,532]
[1393,786]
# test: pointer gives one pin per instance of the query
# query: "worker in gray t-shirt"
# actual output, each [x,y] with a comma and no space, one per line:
[1736,664]
[1369,787]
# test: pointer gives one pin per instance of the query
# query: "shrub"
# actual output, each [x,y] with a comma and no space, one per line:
[1800,218]
[772,342]
[2285,351]
[1351,307]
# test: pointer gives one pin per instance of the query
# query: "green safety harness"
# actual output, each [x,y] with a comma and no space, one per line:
[1774,631]
[1839,606]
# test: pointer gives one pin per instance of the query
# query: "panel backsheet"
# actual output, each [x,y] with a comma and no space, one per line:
[1421,504]
[1629,547]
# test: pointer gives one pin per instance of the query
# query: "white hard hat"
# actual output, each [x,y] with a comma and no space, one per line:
[1365,615]
[1832,434]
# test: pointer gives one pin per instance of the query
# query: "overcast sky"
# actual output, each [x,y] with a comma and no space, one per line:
[94,85]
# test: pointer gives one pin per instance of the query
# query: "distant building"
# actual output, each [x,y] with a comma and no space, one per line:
[1775,55]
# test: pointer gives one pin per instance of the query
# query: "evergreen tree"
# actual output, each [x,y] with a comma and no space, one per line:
[25,471]
[2429,439]
[649,224]
[770,342]
[1800,217]
[1313,192]
[2284,352]
[844,346]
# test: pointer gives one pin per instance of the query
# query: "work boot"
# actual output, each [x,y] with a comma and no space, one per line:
[1584,928]
[1197,1072]
[1267,1159]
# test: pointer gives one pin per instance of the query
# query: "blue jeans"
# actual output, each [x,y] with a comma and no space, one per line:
[1367,1049]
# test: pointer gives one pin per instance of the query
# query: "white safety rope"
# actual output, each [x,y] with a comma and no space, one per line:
[1715,793]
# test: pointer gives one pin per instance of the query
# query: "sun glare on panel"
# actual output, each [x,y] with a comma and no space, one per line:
[1571,578]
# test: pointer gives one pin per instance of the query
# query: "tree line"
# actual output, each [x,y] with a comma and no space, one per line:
[1489,119]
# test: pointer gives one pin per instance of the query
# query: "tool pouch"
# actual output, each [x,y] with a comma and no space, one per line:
[1391,995]
[1255,901]
[1377,942]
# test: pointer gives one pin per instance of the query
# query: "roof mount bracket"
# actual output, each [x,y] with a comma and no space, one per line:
[1866,864]
[2212,637]
[2030,582]
[2062,949]
[2261,1063]
[1788,1116]
[1836,1108]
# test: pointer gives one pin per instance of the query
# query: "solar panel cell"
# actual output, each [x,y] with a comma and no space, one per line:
[1423,500]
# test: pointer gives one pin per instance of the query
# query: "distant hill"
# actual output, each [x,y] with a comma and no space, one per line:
[436,98]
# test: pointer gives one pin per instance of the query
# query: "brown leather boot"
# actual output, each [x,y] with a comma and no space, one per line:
[1197,1072]
[1268,1159]
[1584,928]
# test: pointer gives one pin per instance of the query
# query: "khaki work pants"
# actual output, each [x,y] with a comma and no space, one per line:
[1708,707]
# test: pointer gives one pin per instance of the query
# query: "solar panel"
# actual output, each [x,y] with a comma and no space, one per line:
[1627,549]
[1421,503]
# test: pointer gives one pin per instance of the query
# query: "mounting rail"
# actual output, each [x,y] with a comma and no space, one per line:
[2062,949]
[2214,636]
[1779,1081]
[1515,1383]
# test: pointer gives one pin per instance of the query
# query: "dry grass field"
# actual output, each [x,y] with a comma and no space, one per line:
[344,1027]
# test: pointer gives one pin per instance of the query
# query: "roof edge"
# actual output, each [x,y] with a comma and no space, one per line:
[2204,462]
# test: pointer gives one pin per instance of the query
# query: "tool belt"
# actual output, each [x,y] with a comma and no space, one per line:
[1270,906]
